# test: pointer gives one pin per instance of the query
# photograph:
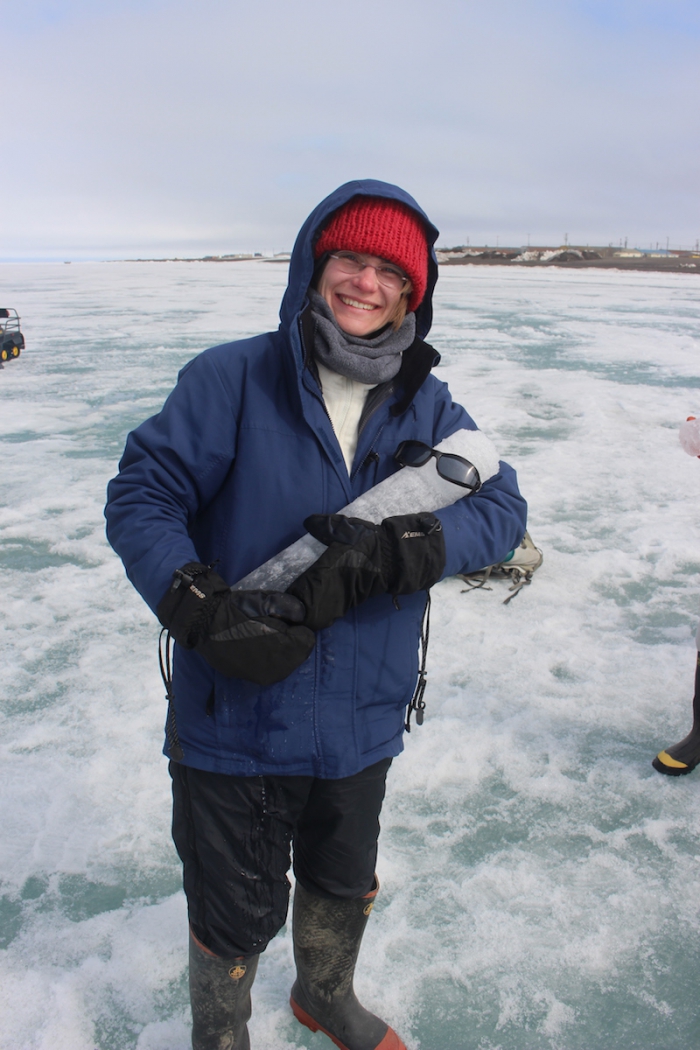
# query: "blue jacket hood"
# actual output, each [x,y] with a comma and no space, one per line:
[301,267]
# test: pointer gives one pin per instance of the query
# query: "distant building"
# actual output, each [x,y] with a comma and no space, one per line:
[656,253]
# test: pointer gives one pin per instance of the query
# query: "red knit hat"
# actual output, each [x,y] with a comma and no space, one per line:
[386,228]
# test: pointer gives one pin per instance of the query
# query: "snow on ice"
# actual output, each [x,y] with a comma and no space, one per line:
[540,882]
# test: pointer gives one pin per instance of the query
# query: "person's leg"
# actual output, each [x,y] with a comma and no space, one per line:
[683,757]
[220,998]
[233,836]
[335,841]
[335,851]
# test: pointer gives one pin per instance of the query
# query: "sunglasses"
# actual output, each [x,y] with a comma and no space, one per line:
[449,466]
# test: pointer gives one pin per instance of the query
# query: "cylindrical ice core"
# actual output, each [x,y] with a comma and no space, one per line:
[410,491]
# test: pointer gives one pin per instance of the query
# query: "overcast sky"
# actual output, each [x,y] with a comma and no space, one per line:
[161,127]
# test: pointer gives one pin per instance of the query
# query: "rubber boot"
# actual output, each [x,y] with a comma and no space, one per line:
[220,997]
[681,758]
[327,936]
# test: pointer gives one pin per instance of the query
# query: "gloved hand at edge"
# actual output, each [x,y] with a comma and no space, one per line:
[255,635]
[404,554]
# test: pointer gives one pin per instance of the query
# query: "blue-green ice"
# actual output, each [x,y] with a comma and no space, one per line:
[540,882]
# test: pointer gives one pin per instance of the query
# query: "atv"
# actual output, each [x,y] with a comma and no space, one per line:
[11,339]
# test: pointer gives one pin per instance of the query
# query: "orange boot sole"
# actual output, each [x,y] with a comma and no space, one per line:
[390,1041]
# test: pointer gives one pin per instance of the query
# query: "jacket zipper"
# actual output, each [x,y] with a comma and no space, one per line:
[374,401]
[371,454]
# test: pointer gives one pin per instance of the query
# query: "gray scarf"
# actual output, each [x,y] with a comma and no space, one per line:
[374,360]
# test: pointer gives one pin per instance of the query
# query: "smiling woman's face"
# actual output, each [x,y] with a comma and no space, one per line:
[360,304]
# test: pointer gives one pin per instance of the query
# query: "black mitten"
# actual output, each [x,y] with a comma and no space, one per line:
[190,601]
[402,555]
[255,635]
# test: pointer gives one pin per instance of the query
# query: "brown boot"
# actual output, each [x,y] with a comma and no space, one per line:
[220,997]
[327,936]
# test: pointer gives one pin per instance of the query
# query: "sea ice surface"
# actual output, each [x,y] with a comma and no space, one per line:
[540,882]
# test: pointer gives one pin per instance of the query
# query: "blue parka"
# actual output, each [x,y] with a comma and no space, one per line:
[241,453]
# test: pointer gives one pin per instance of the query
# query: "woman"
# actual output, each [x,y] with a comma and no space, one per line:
[287,709]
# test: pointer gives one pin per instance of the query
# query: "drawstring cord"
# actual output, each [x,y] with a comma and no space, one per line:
[417,703]
[165,651]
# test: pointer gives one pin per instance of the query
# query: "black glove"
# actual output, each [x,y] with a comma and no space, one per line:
[400,556]
[243,634]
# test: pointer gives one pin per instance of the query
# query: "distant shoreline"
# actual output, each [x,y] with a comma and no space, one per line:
[567,257]
[278,257]
[575,258]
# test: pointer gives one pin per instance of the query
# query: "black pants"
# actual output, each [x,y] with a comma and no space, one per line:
[233,835]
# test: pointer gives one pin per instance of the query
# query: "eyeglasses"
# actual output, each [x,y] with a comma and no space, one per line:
[449,466]
[388,275]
